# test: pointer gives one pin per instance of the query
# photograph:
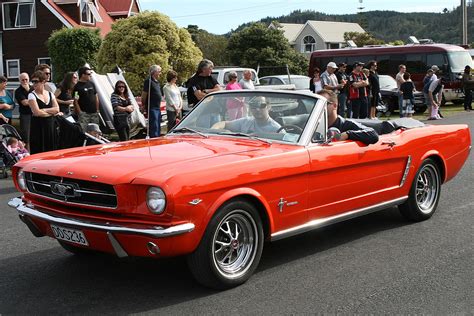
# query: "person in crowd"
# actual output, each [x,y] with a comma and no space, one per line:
[342,97]
[315,83]
[47,70]
[468,86]
[6,102]
[122,106]
[64,92]
[358,92]
[435,94]
[235,106]
[407,88]
[17,148]
[399,78]
[426,85]
[437,73]
[151,99]
[86,101]
[329,78]
[346,129]
[44,107]
[174,102]
[374,85]
[246,82]
[21,97]
[260,121]
[368,91]
[202,82]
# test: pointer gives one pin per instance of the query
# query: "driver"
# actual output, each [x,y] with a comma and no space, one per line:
[347,129]
[260,121]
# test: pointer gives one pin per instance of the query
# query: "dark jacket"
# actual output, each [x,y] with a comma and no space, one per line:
[356,131]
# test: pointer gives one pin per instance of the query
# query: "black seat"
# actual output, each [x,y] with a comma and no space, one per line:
[298,120]
[380,127]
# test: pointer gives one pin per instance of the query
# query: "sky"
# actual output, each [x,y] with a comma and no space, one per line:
[220,17]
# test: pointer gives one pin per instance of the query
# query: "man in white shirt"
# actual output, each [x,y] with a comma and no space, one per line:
[329,78]
[399,78]
[246,82]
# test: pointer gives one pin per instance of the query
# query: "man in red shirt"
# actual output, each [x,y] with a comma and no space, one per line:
[358,92]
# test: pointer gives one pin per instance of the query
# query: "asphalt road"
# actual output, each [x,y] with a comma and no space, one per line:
[375,264]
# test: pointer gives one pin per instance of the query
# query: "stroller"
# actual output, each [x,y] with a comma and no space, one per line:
[7,159]
[71,134]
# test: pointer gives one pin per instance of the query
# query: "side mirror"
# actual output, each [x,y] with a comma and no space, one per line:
[334,134]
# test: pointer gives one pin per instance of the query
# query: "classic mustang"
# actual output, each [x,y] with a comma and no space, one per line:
[242,168]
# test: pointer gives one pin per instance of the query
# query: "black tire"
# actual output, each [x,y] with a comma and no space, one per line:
[75,249]
[223,258]
[424,193]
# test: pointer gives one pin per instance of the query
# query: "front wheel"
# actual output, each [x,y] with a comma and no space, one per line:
[424,193]
[231,247]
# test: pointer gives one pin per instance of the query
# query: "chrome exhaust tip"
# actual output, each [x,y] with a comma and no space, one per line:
[153,248]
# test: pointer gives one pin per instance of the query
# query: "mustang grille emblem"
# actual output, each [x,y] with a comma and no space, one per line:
[64,189]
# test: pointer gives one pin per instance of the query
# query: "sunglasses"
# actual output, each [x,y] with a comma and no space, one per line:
[48,73]
[258,106]
[88,74]
[121,87]
[35,81]
[25,79]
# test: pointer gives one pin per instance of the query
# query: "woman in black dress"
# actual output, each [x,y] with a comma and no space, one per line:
[44,107]
[122,106]
[63,93]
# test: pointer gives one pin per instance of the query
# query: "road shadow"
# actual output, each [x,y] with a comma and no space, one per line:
[54,281]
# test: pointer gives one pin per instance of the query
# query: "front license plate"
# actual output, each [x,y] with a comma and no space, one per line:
[70,235]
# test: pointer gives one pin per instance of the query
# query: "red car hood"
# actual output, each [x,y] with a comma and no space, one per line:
[116,163]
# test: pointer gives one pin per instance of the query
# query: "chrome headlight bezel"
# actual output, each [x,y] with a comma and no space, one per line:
[156,200]
[21,180]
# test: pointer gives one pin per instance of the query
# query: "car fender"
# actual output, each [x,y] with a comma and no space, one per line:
[436,153]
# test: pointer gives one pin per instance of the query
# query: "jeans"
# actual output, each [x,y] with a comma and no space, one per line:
[154,122]
[359,108]
[400,104]
[341,109]
[467,99]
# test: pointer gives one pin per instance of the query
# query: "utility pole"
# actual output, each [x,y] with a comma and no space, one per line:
[464,22]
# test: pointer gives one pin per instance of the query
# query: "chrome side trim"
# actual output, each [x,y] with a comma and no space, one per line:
[119,251]
[155,232]
[318,223]
[405,173]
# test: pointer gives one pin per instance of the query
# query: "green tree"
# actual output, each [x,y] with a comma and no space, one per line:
[212,46]
[259,45]
[362,39]
[397,43]
[136,43]
[70,49]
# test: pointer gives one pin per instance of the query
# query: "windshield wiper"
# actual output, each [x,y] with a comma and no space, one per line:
[189,130]
[245,135]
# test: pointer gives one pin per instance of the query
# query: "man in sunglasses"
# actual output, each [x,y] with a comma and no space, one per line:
[86,101]
[260,121]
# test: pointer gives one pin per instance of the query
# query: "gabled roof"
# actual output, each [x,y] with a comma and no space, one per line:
[333,32]
[290,30]
[119,7]
[54,6]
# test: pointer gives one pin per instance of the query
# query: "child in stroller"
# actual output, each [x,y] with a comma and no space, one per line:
[7,158]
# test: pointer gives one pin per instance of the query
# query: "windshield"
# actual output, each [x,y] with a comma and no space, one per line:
[387,82]
[266,116]
[301,83]
[459,60]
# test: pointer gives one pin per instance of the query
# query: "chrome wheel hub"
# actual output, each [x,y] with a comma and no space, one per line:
[427,188]
[235,244]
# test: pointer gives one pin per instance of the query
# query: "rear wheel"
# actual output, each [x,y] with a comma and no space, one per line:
[231,247]
[424,193]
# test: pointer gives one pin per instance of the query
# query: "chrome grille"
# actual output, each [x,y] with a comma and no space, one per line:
[72,190]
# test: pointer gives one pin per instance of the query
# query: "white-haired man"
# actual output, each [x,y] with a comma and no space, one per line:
[151,95]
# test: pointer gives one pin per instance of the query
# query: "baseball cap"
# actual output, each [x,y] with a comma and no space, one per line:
[434,68]
[332,65]
[358,63]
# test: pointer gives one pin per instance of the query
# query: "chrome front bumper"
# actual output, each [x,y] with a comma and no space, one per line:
[155,232]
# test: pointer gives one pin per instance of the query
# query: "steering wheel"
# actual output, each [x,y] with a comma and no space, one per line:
[291,128]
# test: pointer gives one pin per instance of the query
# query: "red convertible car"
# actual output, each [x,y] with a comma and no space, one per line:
[241,169]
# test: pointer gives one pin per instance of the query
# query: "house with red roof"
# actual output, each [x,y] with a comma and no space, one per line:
[27,25]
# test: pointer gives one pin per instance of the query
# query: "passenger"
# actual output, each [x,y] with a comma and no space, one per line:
[347,129]
[260,121]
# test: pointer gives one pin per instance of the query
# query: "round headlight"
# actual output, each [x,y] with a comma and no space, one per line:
[21,180]
[155,200]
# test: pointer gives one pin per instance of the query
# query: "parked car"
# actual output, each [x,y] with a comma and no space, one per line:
[300,82]
[216,191]
[221,74]
[389,92]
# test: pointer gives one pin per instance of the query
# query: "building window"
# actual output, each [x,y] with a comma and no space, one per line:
[309,44]
[89,12]
[13,68]
[333,45]
[19,15]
